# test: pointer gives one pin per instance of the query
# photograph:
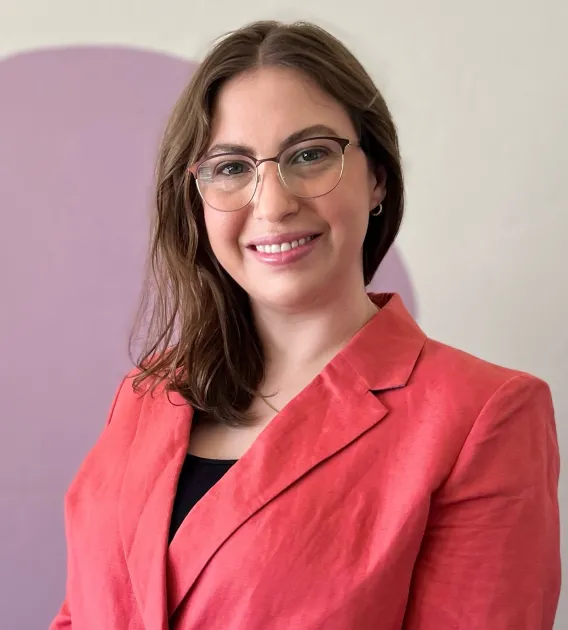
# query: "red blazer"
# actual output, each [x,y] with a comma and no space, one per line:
[410,485]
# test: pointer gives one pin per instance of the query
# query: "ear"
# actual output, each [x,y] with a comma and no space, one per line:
[378,183]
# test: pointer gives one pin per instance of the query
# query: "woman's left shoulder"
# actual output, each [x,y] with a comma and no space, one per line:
[461,375]
[481,410]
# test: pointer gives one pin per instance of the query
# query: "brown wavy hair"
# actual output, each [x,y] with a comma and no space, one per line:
[196,321]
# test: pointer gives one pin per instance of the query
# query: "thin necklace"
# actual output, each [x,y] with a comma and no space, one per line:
[271,406]
[378,308]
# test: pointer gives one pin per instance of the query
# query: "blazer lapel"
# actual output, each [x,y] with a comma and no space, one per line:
[146,499]
[336,408]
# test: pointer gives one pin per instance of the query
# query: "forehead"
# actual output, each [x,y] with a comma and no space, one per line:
[262,107]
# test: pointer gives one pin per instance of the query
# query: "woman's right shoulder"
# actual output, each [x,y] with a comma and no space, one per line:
[128,398]
[131,403]
[133,395]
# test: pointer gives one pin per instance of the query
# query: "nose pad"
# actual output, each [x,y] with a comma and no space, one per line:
[264,170]
[273,200]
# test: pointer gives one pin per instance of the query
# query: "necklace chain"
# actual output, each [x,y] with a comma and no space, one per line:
[277,410]
[270,405]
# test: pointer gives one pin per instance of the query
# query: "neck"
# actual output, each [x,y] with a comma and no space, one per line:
[304,340]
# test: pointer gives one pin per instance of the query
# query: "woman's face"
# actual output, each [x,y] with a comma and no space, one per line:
[260,110]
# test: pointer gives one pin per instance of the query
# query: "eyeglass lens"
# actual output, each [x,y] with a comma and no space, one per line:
[311,168]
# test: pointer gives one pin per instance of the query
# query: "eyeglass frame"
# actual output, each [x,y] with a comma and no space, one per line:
[343,143]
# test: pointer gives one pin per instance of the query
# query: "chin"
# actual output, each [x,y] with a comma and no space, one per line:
[291,296]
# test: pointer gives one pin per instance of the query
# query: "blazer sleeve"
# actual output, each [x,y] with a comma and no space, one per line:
[63,619]
[490,556]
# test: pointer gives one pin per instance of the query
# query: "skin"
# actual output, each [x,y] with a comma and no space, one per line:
[305,312]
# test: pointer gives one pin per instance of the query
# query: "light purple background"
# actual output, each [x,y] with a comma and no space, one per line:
[79,130]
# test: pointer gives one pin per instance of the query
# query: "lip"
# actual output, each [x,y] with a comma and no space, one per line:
[281,259]
[278,239]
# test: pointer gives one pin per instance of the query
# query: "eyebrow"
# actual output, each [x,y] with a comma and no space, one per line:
[297,136]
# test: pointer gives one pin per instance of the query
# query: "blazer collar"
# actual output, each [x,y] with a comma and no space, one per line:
[385,351]
[336,408]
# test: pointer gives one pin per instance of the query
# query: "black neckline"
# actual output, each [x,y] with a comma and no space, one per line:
[212,461]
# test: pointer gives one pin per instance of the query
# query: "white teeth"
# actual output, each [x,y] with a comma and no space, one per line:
[282,247]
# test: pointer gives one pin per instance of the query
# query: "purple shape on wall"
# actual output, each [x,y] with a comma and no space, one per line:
[79,131]
[391,276]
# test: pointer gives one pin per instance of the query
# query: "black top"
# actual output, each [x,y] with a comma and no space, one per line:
[197,476]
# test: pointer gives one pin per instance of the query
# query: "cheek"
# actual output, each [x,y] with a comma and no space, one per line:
[347,215]
[223,231]
[352,197]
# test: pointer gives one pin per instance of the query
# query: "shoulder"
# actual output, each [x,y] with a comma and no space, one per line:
[473,387]
[128,397]
[436,373]
[482,419]
[458,368]
[133,395]
[505,417]
[131,402]
[130,405]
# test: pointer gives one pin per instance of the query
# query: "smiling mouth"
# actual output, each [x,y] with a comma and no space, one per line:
[277,248]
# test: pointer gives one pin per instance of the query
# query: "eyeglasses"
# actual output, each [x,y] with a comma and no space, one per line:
[308,169]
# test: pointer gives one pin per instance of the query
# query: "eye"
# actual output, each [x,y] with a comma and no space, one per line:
[309,155]
[231,169]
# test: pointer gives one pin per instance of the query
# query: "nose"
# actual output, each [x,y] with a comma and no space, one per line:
[272,201]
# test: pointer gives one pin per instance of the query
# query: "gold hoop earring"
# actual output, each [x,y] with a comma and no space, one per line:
[377,211]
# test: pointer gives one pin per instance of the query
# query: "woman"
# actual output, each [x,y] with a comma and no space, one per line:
[291,452]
